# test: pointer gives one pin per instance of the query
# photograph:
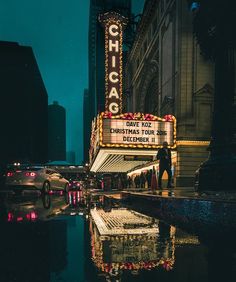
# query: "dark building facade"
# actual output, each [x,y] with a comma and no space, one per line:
[166,74]
[96,91]
[56,132]
[23,106]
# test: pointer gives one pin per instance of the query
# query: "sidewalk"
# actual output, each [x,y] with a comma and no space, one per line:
[185,192]
[208,212]
[177,192]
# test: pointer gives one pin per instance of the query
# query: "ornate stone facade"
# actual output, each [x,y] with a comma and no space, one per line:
[165,74]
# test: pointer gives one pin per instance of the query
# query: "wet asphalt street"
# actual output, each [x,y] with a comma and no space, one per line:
[54,238]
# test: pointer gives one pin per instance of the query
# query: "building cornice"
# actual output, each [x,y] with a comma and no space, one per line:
[149,10]
[142,30]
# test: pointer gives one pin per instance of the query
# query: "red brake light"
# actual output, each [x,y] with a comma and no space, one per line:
[30,174]
[10,174]
[31,216]
[10,216]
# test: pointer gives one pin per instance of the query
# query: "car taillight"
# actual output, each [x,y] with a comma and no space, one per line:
[32,216]
[10,216]
[10,174]
[30,174]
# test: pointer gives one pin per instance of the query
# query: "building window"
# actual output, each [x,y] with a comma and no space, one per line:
[158,12]
[145,46]
[138,62]
[162,6]
[154,25]
[151,98]
[141,52]
[150,34]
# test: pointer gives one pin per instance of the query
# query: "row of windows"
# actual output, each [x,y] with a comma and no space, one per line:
[152,29]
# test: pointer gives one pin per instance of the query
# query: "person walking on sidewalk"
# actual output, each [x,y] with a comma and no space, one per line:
[142,180]
[149,178]
[164,157]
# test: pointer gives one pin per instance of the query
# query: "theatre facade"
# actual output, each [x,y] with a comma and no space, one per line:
[166,75]
[163,93]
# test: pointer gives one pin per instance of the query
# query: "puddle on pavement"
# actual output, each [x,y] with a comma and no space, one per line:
[80,238]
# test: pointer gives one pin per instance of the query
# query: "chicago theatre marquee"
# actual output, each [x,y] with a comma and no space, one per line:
[122,141]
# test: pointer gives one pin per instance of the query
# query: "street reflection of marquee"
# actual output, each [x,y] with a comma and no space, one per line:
[114,24]
[129,251]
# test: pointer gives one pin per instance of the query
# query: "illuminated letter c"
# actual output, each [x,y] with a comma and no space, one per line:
[113,27]
[112,75]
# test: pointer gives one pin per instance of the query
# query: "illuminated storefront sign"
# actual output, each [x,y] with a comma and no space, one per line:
[114,25]
[137,130]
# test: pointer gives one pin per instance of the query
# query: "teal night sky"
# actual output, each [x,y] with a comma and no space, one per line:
[57,30]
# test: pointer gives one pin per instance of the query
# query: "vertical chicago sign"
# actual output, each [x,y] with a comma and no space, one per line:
[114,25]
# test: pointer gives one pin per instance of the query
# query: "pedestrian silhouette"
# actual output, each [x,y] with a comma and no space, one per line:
[164,157]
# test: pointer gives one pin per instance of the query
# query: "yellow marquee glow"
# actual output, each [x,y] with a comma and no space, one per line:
[192,143]
[137,117]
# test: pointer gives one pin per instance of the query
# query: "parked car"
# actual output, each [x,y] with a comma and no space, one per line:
[35,177]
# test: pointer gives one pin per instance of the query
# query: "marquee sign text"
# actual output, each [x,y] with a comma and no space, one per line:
[152,133]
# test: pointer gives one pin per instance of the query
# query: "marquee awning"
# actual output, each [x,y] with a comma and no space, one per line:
[121,160]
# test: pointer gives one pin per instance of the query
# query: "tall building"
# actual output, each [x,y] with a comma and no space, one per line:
[23,106]
[86,125]
[166,74]
[96,91]
[56,132]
